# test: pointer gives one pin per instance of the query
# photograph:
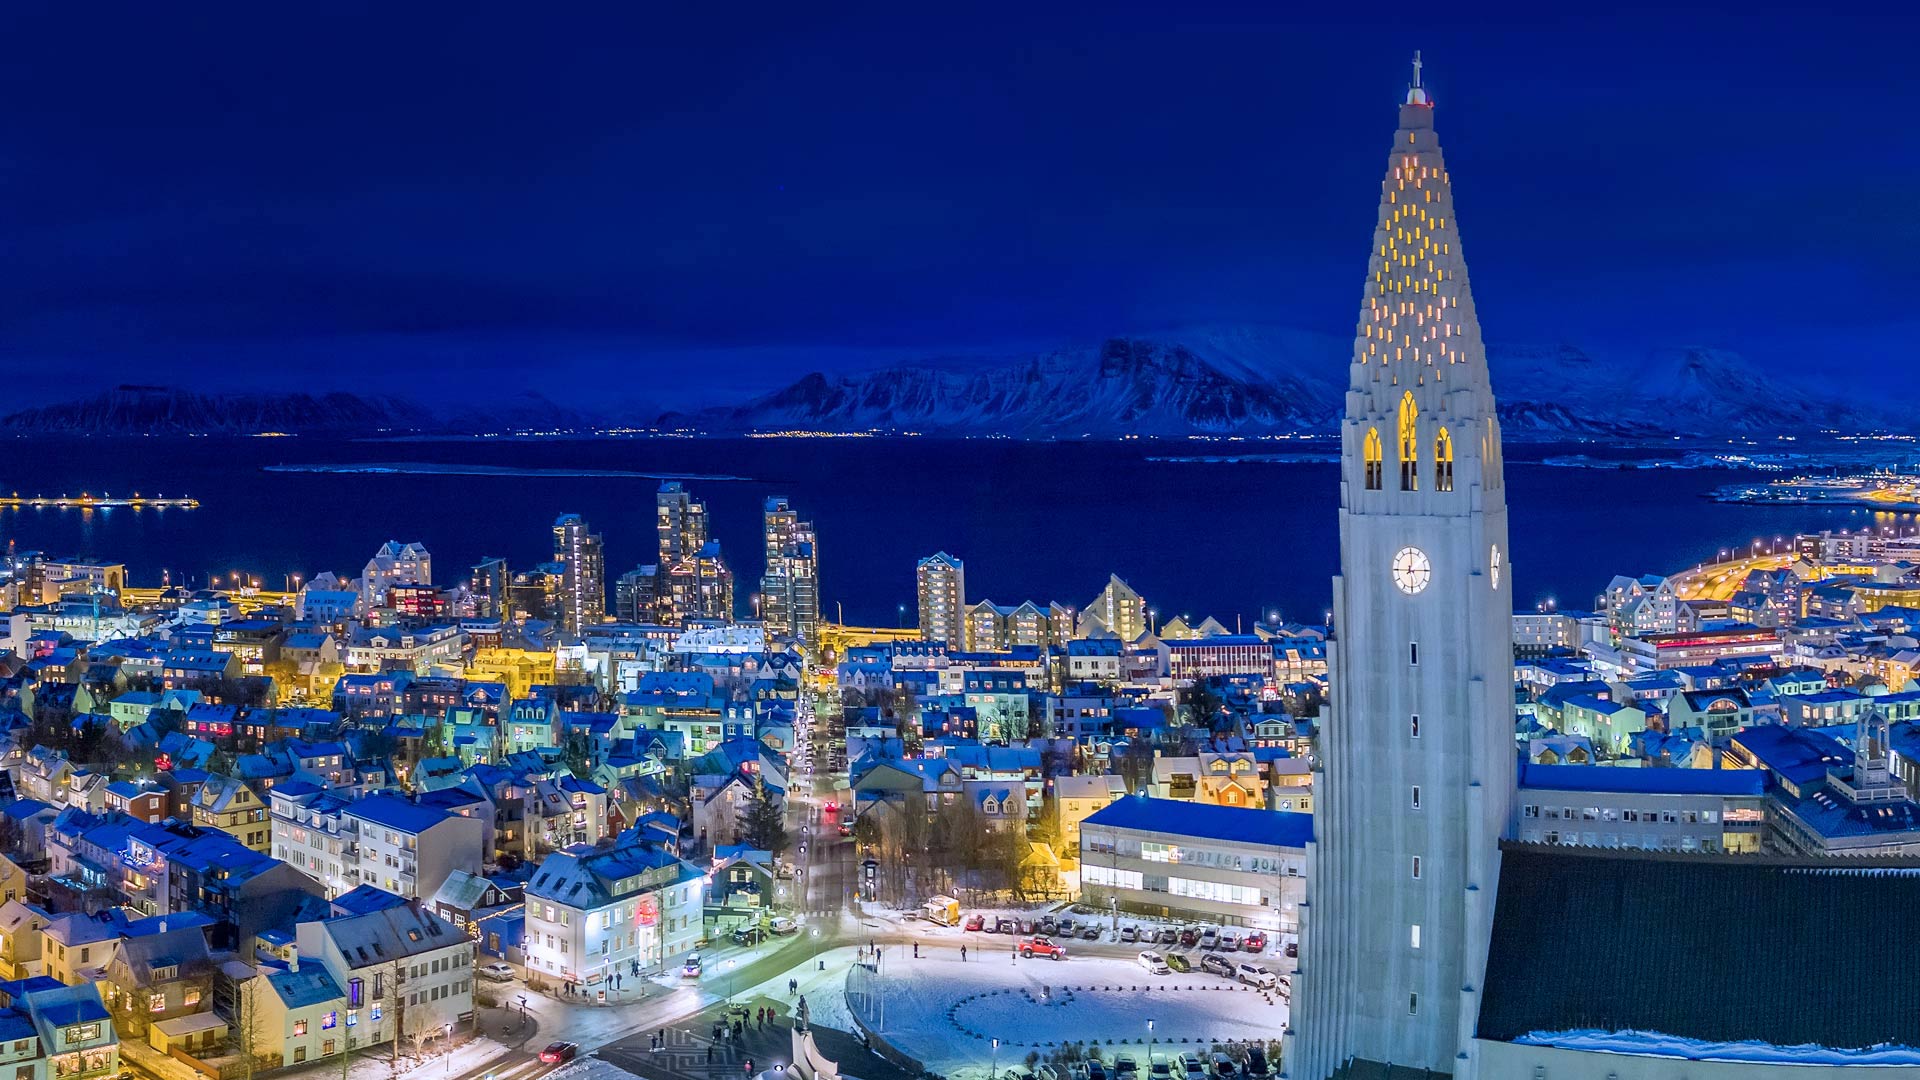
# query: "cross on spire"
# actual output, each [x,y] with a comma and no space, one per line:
[1416,69]
[1416,93]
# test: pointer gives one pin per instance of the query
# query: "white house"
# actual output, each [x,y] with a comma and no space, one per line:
[593,912]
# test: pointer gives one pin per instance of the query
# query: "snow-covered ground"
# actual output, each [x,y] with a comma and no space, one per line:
[946,1013]
[1654,1043]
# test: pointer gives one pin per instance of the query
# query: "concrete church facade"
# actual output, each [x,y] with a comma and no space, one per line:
[1432,944]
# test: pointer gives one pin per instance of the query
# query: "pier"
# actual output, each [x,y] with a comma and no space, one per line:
[89,501]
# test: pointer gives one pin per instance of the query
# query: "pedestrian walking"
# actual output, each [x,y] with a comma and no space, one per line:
[709,1053]
[916,950]
[963,954]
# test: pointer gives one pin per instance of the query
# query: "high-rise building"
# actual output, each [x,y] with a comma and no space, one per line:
[682,523]
[790,589]
[699,586]
[1417,760]
[487,589]
[636,595]
[583,588]
[941,582]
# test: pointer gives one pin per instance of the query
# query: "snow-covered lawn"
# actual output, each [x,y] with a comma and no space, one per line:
[946,1012]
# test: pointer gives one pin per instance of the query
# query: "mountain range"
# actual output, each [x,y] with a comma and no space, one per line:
[1224,380]
[1260,381]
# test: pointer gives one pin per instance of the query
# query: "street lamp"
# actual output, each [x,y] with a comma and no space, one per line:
[449,1038]
[729,967]
[816,949]
[995,1070]
[1149,1050]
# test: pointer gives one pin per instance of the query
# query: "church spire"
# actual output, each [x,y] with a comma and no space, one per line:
[1417,94]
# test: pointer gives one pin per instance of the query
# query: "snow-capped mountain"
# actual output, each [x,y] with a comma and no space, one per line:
[1253,380]
[1121,386]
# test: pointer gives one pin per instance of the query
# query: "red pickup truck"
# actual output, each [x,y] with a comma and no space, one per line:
[1042,946]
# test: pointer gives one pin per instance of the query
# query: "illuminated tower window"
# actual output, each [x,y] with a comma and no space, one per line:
[1443,461]
[1409,445]
[1372,457]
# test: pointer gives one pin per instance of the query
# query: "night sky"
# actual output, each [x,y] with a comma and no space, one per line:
[585,199]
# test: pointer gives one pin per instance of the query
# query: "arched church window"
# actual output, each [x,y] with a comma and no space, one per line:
[1409,444]
[1443,461]
[1371,454]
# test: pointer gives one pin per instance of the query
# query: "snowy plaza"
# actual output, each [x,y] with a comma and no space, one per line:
[946,1012]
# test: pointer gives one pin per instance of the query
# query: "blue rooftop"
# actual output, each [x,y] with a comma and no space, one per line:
[1643,781]
[1206,821]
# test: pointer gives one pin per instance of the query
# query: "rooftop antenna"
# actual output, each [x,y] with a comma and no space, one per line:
[1417,94]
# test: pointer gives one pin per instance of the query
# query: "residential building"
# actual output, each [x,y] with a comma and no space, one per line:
[592,912]
[940,581]
[394,564]
[790,588]
[583,590]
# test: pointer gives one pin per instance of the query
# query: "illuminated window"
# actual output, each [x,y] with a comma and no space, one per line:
[1371,453]
[299,1027]
[1409,444]
[1443,461]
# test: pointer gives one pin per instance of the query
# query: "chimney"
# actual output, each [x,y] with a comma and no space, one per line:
[293,958]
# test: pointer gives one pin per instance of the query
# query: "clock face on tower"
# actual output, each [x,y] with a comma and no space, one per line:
[1411,570]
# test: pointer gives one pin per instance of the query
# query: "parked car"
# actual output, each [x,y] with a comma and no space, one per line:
[1096,1070]
[1219,965]
[1254,975]
[1026,926]
[1169,936]
[1041,945]
[1155,963]
[1229,941]
[1293,948]
[1125,1068]
[1192,1068]
[497,971]
[1160,1070]
[1209,938]
[555,1053]
[1255,1065]
[1129,934]
[1189,937]
[1048,926]
[1090,932]
[1255,942]
[1179,963]
[783,924]
[977,922]
[691,969]
[1005,926]
[749,935]
[1223,1067]
[1067,925]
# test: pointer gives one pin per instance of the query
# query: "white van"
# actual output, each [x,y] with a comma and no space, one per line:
[1254,975]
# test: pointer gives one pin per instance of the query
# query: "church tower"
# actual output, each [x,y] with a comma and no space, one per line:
[1416,771]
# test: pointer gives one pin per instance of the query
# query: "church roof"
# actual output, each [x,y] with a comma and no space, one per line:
[1710,935]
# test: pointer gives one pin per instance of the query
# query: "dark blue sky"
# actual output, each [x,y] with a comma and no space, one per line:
[585,198]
